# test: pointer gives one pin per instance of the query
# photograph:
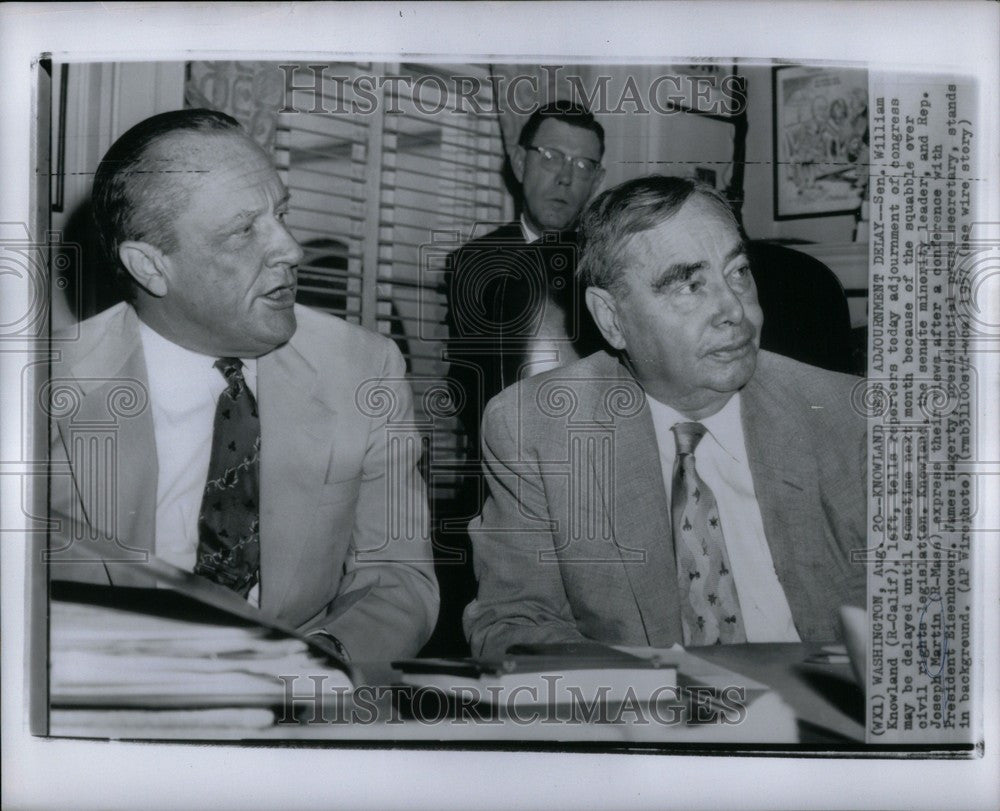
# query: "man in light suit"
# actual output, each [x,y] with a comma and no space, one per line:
[254,442]
[684,488]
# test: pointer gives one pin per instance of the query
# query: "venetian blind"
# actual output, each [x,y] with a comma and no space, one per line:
[379,197]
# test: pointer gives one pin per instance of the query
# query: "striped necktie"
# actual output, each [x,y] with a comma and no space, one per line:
[710,607]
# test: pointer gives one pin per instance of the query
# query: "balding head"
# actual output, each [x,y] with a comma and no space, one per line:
[146,177]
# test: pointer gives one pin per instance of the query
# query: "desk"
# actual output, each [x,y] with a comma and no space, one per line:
[825,698]
[808,703]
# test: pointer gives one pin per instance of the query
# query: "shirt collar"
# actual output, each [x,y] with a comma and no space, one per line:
[529,233]
[173,366]
[724,425]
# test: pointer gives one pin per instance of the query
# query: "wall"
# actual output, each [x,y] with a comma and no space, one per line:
[834,236]
[638,144]
[102,101]
[679,143]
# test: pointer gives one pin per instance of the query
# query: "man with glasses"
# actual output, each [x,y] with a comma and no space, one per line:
[514,309]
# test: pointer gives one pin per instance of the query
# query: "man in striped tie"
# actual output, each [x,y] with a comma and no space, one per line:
[684,486]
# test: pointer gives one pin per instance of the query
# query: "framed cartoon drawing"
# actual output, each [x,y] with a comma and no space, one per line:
[820,141]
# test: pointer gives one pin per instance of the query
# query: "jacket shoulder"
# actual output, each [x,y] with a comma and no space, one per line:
[570,391]
[509,232]
[796,388]
[506,235]
[792,377]
[117,326]
[322,337]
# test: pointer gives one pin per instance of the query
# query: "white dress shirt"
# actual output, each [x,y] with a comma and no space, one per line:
[721,461]
[184,388]
[529,233]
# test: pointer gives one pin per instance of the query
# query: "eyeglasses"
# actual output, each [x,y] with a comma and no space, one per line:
[553,160]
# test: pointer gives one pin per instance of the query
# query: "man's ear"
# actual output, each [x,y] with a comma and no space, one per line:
[146,264]
[517,159]
[604,310]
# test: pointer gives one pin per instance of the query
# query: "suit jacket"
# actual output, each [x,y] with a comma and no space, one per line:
[575,539]
[331,555]
[498,288]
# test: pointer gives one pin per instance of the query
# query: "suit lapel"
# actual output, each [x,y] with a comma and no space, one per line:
[114,407]
[786,483]
[640,520]
[297,429]
[508,303]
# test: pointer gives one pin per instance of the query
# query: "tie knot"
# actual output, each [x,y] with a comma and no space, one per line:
[231,368]
[687,435]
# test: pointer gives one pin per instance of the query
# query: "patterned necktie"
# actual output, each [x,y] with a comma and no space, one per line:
[228,524]
[710,608]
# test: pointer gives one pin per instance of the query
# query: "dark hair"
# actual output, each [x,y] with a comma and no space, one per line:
[565,111]
[631,208]
[131,196]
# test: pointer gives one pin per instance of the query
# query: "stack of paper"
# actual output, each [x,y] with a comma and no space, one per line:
[156,649]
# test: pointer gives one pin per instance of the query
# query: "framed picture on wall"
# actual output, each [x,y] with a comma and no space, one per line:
[820,141]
